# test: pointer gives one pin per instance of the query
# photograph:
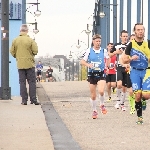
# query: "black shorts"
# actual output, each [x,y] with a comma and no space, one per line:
[122,75]
[38,73]
[129,84]
[94,79]
[110,78]
[50,75]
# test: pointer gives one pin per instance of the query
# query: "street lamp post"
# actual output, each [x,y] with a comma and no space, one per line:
[67,73]
[69,70]
[102,15]
[70,57]
[79,45]
[73,70]
[5,90]
[35,30]
[87,31]
[37,13]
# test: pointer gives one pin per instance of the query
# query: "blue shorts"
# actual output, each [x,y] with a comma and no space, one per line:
[140,79]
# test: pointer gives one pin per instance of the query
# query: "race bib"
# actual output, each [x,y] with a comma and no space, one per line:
[50,73]
[111,66]
[96,66]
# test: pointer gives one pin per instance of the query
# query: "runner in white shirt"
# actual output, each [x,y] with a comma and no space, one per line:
[129,84]
[94,59]
[121,72]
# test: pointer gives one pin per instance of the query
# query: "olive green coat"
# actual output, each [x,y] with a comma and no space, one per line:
[24,49]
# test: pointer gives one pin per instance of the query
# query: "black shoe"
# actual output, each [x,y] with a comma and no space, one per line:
[31,102]
[24,103]
[36,103]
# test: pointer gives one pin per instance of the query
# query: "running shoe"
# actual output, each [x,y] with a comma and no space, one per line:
[123,108]
[94,115]
[117,106]
[143,104]
[140,120]
[103,109]
[109,99]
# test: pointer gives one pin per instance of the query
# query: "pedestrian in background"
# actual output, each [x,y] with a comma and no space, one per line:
[24,49]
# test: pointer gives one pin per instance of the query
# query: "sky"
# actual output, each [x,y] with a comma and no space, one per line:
[60,25]
[62,21]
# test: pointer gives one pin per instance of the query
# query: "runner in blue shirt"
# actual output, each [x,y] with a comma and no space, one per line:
[39,68]
[138,54]
[94,59]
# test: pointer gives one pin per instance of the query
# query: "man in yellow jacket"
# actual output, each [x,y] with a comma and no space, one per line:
[24,49]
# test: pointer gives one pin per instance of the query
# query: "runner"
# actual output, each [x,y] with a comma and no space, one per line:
[129,84]
[39,68]
[121,73]
[111,76]
[49,74]
[138,54]
[94,60]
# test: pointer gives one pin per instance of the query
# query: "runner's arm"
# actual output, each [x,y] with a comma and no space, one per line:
[85,59]
[113,51]
[149,50]
[121,61]
[126,57]
[106,55]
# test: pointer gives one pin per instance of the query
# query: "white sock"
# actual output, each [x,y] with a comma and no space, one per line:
[93,104]
[123,96]
[118,94]
[101,99]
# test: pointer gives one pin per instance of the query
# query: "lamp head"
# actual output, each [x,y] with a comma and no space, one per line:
[37,13]
[35,31]
[102,14]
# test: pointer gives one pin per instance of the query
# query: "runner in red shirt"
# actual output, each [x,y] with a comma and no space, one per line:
[111,75]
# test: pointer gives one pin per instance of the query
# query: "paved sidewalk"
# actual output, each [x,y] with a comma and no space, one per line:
[116,130]
[23,127]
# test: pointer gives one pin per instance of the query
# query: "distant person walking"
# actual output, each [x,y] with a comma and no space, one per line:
[24,49]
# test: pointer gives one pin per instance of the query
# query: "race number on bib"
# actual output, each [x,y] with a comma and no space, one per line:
[111,66]
[96,66]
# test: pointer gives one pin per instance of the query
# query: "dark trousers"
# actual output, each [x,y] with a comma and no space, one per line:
[28,74]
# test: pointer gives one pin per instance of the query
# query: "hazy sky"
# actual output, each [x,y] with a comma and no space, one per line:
[60,24]
[62,21]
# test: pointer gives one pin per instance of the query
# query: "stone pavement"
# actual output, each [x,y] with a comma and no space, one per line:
[116,130]
[23,127]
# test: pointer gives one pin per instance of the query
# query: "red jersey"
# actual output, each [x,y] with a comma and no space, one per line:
[112,67]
